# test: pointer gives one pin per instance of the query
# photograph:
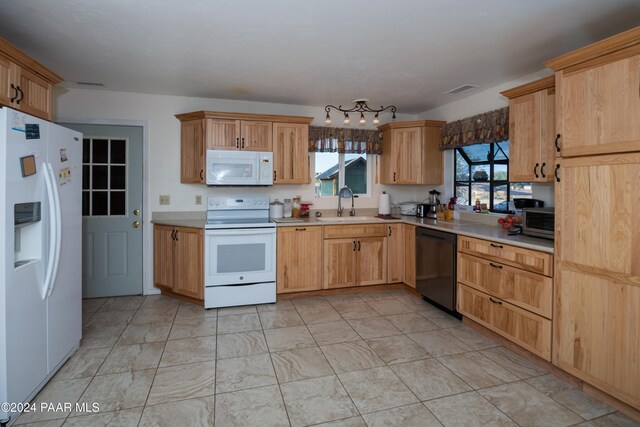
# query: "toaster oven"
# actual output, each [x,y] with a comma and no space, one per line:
[538,222]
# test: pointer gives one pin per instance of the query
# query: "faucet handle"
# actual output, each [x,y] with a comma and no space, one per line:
[352,212]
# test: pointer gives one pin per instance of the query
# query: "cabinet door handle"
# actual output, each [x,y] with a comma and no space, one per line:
[242,145]
[177,235]
[535,169]
[237,143]
[201,175]
[354,246]
[542,170]
[389,230]
[555,173]
[173,235]
[15,89]
[358,245]
[495,265]
[301,229]
[495,301]
[19,100]
[274,175]
[556,143]
[394,177]
[493,245]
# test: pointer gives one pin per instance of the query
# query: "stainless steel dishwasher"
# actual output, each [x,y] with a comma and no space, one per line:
[436,268]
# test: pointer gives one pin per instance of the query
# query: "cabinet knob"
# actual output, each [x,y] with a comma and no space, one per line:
[136,224]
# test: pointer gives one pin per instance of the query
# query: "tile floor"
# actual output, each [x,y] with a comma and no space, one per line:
[369,359]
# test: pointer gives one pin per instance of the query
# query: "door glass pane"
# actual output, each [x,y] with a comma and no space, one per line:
[86,173]
[117,203]
[86,150]
[86,197]
[100,151]
[99,203]
[118,174]
[118,151]
[241,258]
[100,175]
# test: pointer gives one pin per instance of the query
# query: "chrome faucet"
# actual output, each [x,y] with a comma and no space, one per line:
[345,192]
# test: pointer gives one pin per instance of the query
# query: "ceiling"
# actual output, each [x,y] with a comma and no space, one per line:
[407,53]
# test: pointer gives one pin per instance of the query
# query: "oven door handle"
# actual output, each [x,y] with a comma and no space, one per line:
[241,232]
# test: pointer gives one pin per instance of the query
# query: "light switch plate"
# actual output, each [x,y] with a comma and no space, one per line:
[198,199]
[165,199]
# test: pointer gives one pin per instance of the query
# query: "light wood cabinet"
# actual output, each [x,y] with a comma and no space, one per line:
[291,153]
[210,130]
[507,289]
[597,96]
[597,329]
[25,85]
[520,326]
[355,255]
[597,288]
[395,250]
[409,232]
[532,131]
[178,260]
[411,153]
[299,259]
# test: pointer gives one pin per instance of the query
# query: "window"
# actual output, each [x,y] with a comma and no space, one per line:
[481,172]
[335,170]
[104,175]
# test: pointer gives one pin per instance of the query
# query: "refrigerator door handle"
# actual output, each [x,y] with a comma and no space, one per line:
[52,231]
[58,226]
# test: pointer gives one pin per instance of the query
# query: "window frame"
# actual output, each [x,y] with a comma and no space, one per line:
[342,174]
[492,183]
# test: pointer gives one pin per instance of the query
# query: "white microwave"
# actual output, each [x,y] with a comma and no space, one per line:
[239,167]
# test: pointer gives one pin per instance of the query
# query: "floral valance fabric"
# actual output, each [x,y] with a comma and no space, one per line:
[344,140]
[492,126]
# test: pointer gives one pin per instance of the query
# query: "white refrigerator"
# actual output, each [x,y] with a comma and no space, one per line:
[40,253]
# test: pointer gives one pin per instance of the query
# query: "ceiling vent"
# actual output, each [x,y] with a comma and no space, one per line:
[91,84]
[461,89]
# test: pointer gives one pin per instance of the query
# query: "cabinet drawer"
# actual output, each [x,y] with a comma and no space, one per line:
[526,329]
[354,231]
[526,259]
[527,290]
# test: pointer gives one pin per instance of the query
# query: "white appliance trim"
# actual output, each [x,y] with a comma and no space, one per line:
[147,229]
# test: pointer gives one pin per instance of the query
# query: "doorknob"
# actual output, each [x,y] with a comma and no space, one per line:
[136,212]
[136,224]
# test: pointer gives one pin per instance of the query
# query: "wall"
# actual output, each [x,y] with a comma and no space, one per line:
[487,100]
[163,151]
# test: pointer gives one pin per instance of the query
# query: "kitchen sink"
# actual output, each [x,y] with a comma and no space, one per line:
[348,218]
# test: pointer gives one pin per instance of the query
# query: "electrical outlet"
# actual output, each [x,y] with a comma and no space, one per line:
[165,199]
[198,199]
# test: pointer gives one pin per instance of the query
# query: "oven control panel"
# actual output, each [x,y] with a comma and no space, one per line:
[215,203]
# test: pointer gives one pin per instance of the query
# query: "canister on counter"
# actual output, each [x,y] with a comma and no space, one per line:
[295,207]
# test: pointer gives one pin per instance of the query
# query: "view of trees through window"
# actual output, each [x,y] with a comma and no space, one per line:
[482,173]
[334,170]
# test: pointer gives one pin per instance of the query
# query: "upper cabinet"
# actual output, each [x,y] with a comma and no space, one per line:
[598,99]
[25,85]
[411,153]
[532,131]
[209,130]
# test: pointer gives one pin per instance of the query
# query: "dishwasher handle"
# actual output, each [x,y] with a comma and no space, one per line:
[438,236]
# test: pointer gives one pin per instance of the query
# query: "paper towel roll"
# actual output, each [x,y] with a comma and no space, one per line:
[384,204]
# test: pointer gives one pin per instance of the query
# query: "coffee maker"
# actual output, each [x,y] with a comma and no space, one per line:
[429,210]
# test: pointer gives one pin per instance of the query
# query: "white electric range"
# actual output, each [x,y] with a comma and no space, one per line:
[239,252]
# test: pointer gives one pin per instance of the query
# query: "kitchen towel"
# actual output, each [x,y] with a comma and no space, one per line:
[384,204]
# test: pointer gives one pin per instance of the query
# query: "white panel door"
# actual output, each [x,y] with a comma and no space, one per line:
[112,210]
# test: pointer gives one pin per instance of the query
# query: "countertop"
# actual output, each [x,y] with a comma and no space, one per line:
[464,228]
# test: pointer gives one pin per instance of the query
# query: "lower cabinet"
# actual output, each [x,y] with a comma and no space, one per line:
[509,290]
[178,258]
[409,234]
[299,259]
[395,253]
[355,255]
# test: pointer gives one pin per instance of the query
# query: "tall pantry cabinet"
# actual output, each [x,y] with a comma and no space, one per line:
[597,250]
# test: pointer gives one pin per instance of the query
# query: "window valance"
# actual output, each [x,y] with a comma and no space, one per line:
[492,126]
[344,140]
